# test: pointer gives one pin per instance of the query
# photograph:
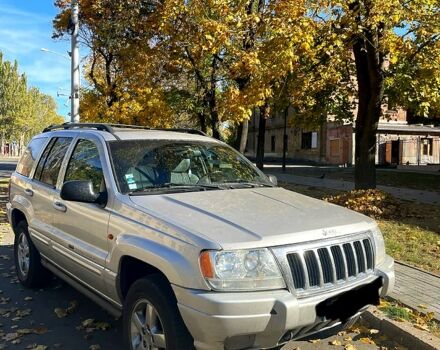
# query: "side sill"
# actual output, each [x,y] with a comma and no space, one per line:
[114,310]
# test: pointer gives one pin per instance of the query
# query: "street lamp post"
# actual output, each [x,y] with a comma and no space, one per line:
[75,74]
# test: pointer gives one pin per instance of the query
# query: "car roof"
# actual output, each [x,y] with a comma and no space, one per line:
[116,132]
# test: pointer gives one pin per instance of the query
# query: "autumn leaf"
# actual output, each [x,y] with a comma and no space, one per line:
[40,330]
[61,313]
[365,340]
[349,347]
[422,327]
[11,336]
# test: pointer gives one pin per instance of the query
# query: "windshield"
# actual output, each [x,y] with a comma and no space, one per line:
[141,165]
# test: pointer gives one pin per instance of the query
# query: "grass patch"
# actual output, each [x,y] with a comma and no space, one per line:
[412,244]
[400,313]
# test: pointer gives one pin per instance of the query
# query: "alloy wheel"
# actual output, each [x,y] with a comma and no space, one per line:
[23,254]
[147,331]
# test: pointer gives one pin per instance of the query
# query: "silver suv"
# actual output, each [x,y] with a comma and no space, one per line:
[188,241]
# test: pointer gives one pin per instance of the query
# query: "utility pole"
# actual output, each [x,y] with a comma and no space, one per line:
[75,74]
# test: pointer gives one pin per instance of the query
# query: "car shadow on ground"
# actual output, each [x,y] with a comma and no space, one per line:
[29,317]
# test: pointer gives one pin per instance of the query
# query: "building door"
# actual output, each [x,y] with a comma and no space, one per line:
[388,152]
[395,151]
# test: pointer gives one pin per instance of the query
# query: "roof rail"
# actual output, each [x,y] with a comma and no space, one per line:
[110,127]
[66,126]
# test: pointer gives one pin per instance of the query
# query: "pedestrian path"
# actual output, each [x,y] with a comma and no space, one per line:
[417,289]
[402,193]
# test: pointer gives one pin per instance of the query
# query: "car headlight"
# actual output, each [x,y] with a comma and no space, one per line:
[379,246]
[241,270]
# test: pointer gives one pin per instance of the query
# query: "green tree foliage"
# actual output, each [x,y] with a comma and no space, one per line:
[24,111]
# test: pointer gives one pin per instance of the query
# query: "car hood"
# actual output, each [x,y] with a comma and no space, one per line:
[257,217]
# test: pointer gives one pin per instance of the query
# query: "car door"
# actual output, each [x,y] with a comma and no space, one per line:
[81,228]
[43,188]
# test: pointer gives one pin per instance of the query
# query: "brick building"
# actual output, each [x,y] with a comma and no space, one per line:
[333,142]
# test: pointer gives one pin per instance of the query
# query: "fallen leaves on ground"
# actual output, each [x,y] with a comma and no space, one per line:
[36,347]
[89,325]
[61,312]
[374,203]
[349,347]
[335,342]
[366,340]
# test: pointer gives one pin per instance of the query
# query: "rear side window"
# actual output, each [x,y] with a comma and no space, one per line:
[50,163]
[26,162]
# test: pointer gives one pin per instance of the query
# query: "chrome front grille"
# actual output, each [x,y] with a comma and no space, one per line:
[330,265]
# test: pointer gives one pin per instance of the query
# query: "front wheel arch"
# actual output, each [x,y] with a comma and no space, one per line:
[132,269]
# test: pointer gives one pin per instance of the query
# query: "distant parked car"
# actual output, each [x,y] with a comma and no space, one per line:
[188,241]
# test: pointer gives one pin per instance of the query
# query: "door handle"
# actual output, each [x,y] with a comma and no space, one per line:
[60,206]
[28,192]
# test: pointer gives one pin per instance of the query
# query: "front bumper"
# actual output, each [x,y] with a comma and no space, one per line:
[256,320]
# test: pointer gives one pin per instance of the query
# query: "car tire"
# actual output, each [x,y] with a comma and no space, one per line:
[164,328]
[30,271]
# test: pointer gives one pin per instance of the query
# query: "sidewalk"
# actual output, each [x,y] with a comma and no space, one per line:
[417,289]
[402,193]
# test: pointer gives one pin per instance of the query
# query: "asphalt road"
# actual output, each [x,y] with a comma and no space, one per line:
[29,318]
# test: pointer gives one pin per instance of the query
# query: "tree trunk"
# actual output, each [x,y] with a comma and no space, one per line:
[213,101]
[214,121]
[244,136]
[370,77]
[261,137]
[202,122]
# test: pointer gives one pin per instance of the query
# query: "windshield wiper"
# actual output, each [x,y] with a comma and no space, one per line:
[172,187]
[246,184]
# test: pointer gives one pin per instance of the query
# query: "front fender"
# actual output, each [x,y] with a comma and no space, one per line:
[178,261]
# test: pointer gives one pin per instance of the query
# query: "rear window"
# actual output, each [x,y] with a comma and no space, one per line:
[29,157]
[50,163]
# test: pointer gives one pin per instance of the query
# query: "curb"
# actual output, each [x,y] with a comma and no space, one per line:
[412,307]
[416,268]
[401,332]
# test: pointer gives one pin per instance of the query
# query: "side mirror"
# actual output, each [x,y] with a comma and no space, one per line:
[273,179]
[80,191]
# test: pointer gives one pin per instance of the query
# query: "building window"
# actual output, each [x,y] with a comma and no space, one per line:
[272,144]
[427,147]
[309,140]
[334,148]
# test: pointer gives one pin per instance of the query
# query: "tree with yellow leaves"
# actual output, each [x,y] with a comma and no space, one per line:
[383,40]
[214,62]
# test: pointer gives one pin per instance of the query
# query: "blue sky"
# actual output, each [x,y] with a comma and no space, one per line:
[25,28]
